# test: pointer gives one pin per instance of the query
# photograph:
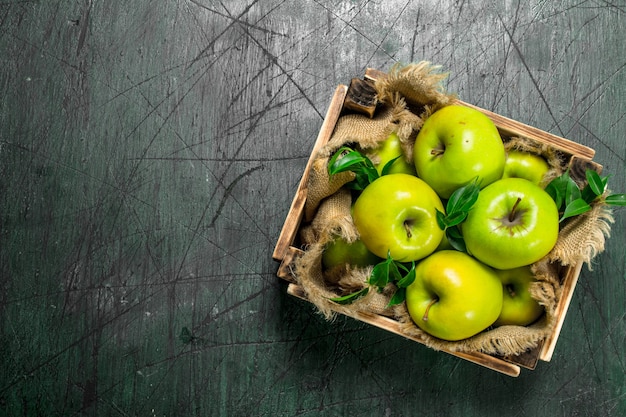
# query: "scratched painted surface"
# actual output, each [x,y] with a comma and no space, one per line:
[149,153]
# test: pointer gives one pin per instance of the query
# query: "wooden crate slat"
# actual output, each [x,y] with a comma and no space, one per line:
[294,216]
[569,284]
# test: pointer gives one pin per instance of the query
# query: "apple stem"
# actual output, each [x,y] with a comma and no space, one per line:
[407,228]
[511,291]
[512,213]
[437,152]
[433,301]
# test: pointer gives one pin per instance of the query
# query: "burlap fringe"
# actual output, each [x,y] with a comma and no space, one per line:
[583,237]
[332,219]
[420,84]
[409,95]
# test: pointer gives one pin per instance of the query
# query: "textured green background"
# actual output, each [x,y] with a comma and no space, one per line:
[149,152]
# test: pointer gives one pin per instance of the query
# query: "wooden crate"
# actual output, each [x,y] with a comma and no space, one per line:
[351,99]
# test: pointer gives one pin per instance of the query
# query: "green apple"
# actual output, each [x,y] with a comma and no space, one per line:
[391,149]
[454,296]
[513,223]
[341,252]
[518,306]
[455,145]
[397,214]
[526,165]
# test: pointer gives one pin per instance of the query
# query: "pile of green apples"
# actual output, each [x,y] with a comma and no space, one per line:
[459,226]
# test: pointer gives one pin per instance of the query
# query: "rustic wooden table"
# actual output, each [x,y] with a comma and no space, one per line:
[148,156]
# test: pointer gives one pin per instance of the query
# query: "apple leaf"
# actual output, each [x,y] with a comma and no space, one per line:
[463,198]
[557,188]
[347,159]
[352,297]
[408,278]
[388,166]
[574,208]
[588,194]
[441,219]
[398,297]
[455,238]
[572,192]
[384,272]
[456,218]
[595,183]
[458,206]
[616,200]
[572,201]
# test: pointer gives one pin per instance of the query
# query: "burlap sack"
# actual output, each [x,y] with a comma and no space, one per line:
[408,96]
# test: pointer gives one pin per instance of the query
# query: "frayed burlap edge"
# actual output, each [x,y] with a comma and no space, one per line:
[583,237]
[332,219]
[420,84]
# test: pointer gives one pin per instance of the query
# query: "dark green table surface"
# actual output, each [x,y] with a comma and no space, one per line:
[149,151]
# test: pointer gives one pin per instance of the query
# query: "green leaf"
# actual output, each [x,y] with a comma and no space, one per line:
[380,275]
[616,200]
[564,191]
[398,297]
[557,188]
[384,272]
[408,278]
[572,192]
[391,271]
[394,272]
[359,183]
[441,219]
[406,267]
[575,208]
[455,218]
[455,238]
[454,232]
[345,159]
[588,194]
[372,175]
[595,182]
[463,198]
[388,165]
[458,206]
[350,298]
